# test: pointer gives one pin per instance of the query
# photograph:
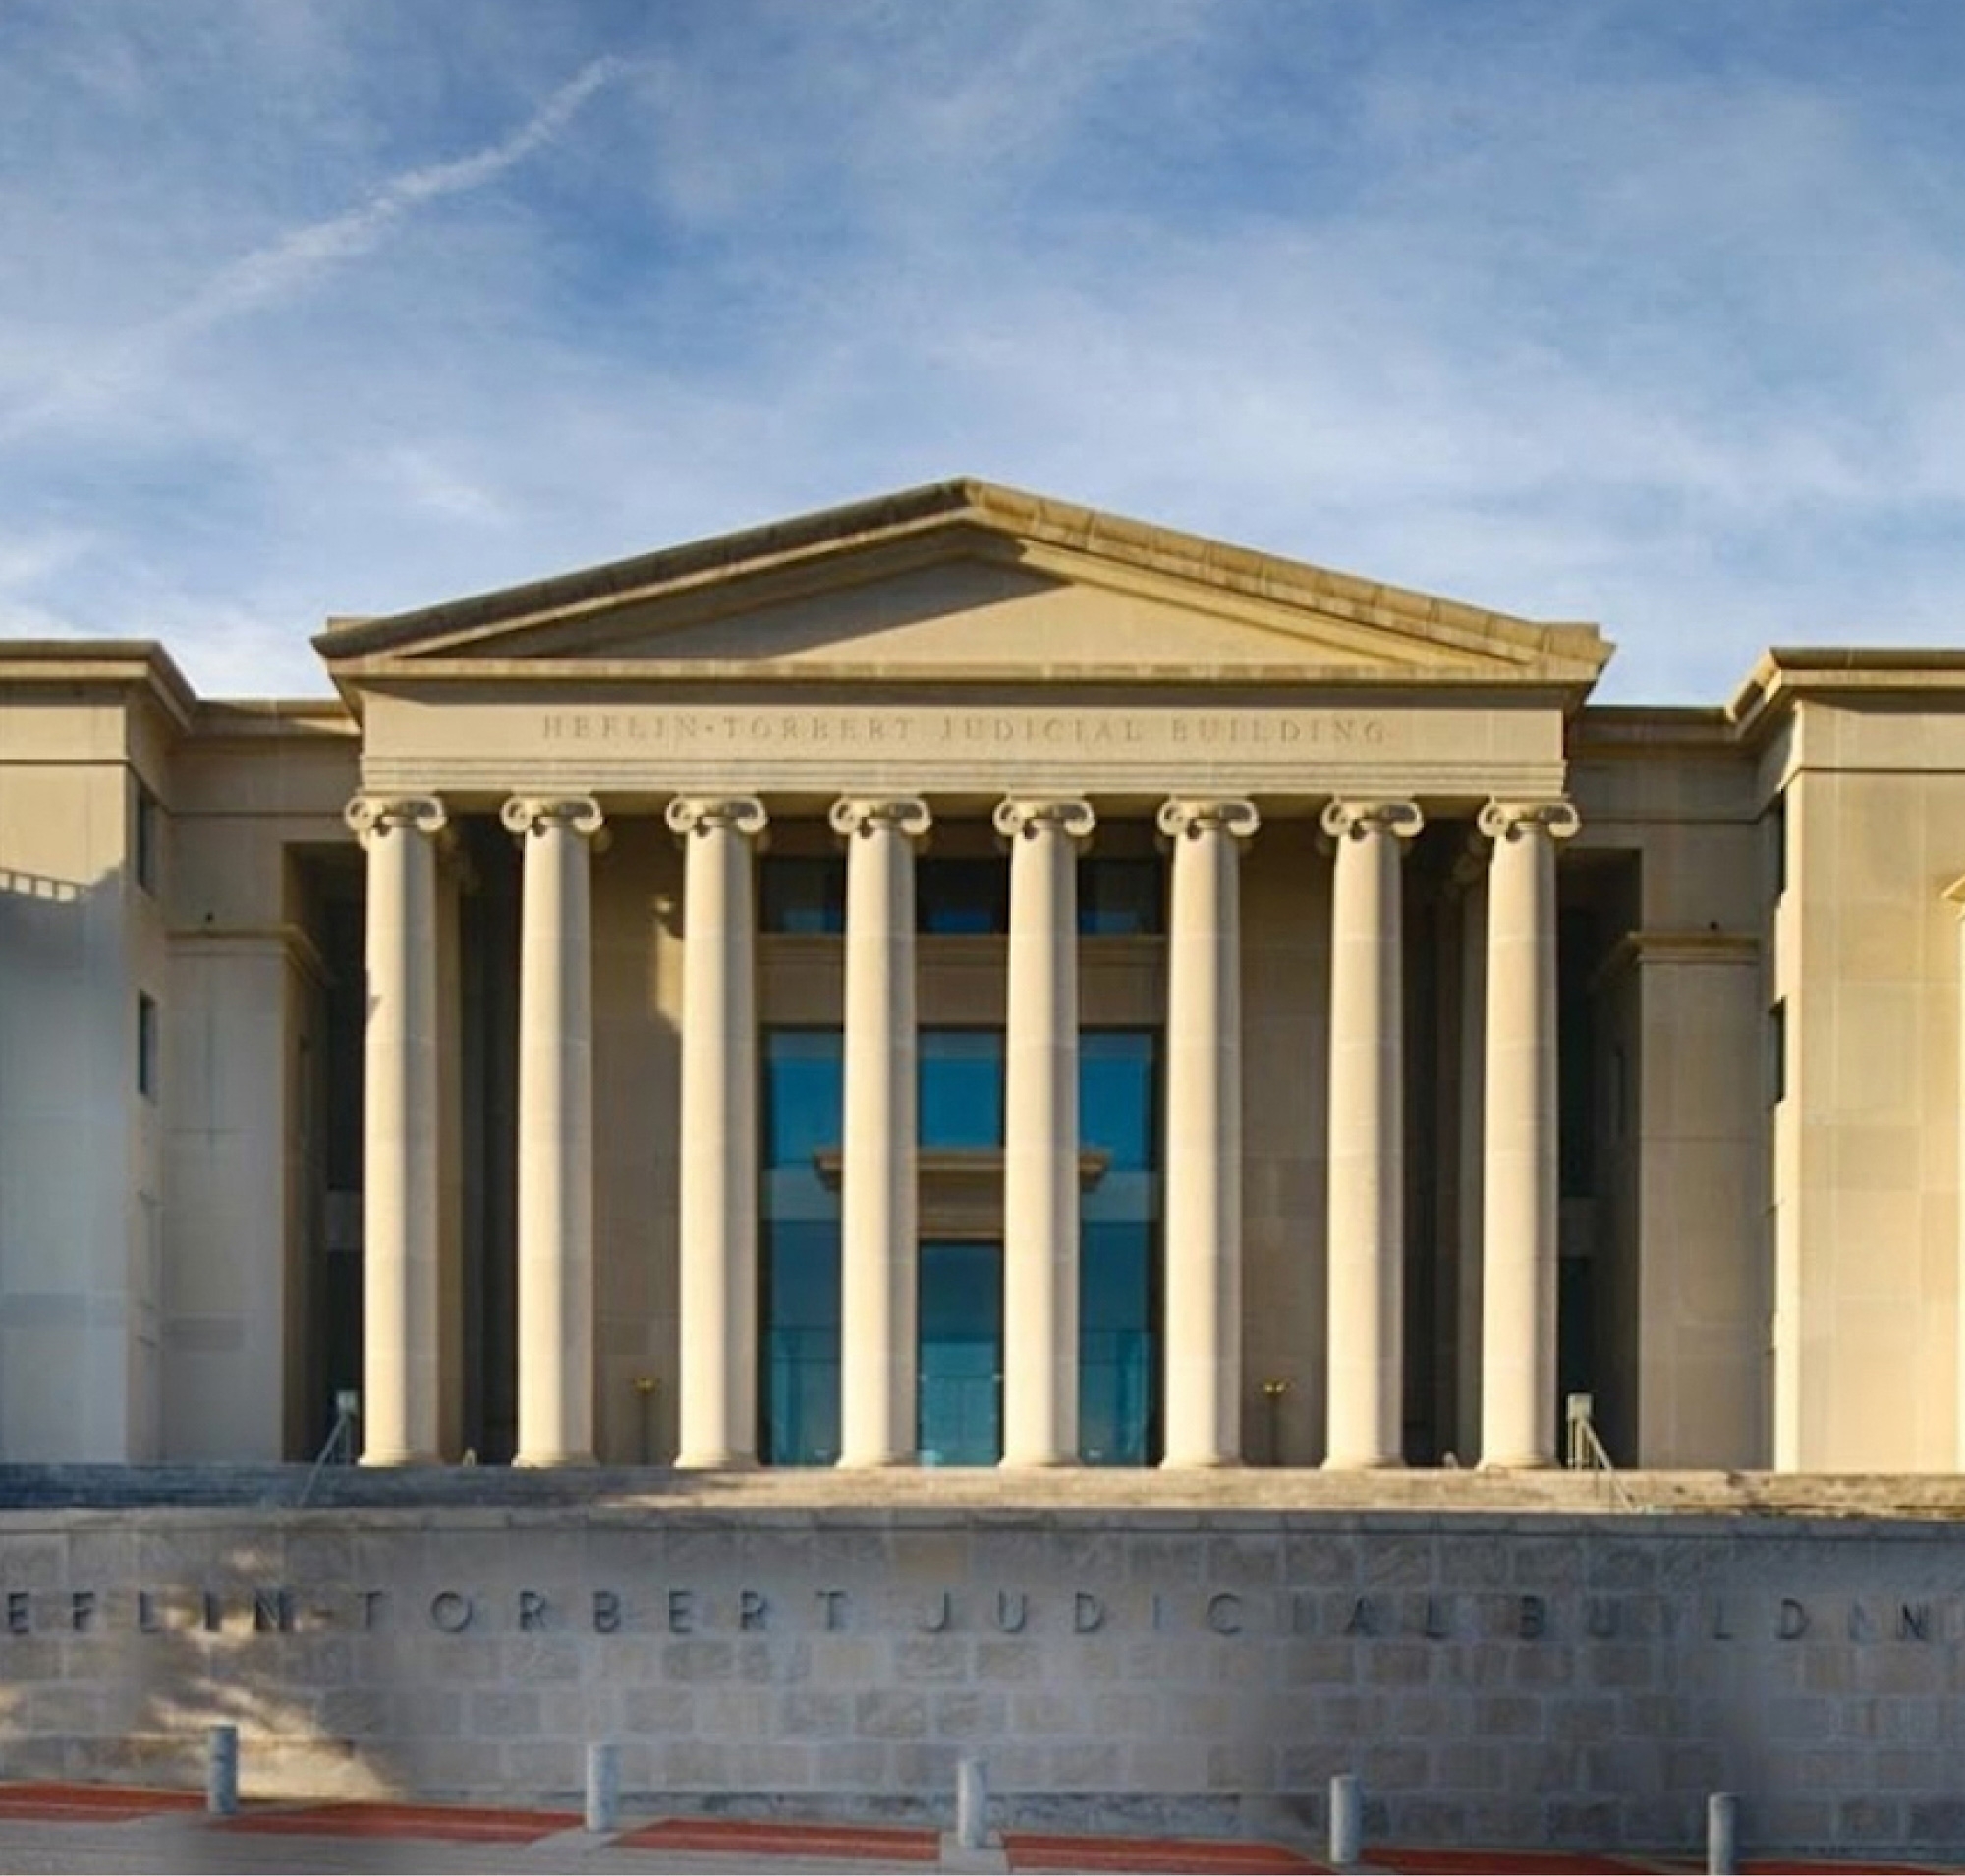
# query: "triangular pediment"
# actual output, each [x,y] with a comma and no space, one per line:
[966,580]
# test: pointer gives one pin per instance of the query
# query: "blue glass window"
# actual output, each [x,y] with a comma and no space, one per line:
[797,893]
[1120,896]
[1119,1290]
[802,1109]
[961,1419]
[961,1087]
[962,898]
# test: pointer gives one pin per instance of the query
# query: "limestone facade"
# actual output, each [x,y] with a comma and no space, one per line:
[1496,1043]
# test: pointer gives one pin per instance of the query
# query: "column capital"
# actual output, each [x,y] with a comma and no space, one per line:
[1512,820]
[862,814]
[1026,815]
[1190,816]
[1348,819]
[372,816]
[711,814]
[1955,892]
[532,814]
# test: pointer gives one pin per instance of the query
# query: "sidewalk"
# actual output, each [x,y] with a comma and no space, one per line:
[87,1828]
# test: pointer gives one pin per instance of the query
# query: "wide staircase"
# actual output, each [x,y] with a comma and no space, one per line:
[1559,1492]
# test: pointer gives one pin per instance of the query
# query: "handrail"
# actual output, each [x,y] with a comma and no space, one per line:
[338,1448]
[1587,1452]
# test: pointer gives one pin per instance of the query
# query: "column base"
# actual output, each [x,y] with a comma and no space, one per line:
[1043,1463]
[1534,1463]
[716,1462]
[539,1461]
[1201,1463]
[876,1462]
[1367,1462]
[400,1455]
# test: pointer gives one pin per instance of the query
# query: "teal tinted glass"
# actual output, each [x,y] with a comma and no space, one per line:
[961,1077]
[1119,1288]
[961,1373]
[1121,896]
[799,1300]
[956,896]
[800,893]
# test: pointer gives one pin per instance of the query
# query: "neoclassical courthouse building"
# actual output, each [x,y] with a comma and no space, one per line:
[962,979]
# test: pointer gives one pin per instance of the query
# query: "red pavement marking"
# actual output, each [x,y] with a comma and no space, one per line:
[49,1803]
[1498,1862]
[456,1824]
[1760,1866]
[732,1835]
[1201,1856]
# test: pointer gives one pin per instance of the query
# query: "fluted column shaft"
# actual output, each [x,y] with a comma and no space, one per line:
[1519,1189]
[400,1142]
[1367,1167]
[1041,1134]
[555,1130]
[720,1133]
[1204,1133]
[1955,892]
[879,1302]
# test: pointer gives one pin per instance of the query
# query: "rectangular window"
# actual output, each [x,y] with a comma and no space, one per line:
[1777,1053]
[961,1080]
[146,1045]
[145,830]
[1776,824]
[801,893]
[804,1094]
[1120,896]
[957,897]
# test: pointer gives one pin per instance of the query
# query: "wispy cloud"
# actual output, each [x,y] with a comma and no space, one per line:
[1647,313]
[297,259]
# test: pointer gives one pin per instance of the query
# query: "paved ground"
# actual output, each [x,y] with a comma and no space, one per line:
[112,1829]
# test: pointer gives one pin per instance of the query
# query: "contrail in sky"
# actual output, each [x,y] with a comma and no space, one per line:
[281,269]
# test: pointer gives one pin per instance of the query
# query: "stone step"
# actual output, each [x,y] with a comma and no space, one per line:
[1260,1490]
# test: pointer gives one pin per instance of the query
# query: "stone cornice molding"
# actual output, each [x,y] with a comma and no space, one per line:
[708,813]
[1512,820]
[1645,949]
[372,818]
[531,814]
[1025,815]
[854,815]
[1188,816]
[986,517]
[1346,820]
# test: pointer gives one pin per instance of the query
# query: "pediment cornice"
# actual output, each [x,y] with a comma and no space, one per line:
[1298,623]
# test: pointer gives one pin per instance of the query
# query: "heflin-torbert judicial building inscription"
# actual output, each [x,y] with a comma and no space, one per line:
[1057,1107]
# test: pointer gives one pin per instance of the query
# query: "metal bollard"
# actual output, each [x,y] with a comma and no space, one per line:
[1347,1820]
[972,1804]
[221,1770]
[604,1786]
[1722,1834]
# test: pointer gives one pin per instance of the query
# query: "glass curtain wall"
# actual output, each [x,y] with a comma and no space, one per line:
[799,1223]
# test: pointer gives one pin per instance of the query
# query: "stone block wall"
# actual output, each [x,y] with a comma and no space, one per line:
[1580,1681]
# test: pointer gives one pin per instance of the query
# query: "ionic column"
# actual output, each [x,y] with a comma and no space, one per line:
[1955,892]
[555,1130]
[1519,1191]
[1204,1133]
[718,1393]
[1367,1168]
[878,1263]
[1041,1134]
[400,1360]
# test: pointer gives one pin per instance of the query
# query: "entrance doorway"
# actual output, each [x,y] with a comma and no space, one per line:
[961,1411]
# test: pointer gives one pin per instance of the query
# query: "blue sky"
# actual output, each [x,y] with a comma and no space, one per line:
[1647,314]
